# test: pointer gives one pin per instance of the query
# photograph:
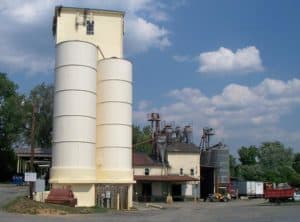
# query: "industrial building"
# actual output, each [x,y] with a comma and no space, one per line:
[179,178]
[92,124]
[173,167]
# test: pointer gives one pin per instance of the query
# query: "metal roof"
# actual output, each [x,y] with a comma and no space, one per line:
[183,148]
[166,178]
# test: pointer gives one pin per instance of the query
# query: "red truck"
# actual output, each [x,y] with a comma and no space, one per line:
[278,194]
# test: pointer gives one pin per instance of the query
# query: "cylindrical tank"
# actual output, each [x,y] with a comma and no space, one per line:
[168,131]
[162,146]
[188,132]
[74,117]
[114,121]
[220,160]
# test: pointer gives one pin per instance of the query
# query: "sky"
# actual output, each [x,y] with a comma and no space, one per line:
[230,65]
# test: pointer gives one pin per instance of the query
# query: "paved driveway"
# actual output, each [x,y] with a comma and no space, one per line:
[234,211]
[10,191]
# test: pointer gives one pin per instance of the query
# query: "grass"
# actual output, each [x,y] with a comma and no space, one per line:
[24,205]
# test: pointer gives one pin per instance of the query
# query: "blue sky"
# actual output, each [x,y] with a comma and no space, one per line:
[230,65]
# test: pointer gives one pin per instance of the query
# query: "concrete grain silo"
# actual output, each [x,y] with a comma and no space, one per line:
[74,131]
[92,138]
[114,121]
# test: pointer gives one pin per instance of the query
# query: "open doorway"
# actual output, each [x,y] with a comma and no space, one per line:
[176,192]
[146,191]
[207,182]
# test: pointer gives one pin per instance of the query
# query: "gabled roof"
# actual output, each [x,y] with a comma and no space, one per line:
[143,159]
[183,148]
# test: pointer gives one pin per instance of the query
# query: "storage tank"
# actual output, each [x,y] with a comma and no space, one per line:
[74,118]
[114,121]
[220,160]
[162,147]
[188,133]
[206,158]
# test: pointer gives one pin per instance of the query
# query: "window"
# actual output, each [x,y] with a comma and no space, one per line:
[181,171]
[90,27]
[192,172]
[147,171]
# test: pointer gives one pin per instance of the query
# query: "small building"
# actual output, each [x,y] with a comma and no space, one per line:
[41,159]
[179,176]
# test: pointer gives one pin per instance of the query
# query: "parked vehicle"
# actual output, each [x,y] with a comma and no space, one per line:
[296,195]
[251,189]
[279,193]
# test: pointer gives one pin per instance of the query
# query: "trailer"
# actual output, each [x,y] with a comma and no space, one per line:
[278,195]
[251,189]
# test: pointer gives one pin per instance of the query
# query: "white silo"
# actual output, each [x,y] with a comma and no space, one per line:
[74,123]
[114,121]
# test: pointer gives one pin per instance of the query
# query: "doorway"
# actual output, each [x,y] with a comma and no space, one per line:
[146,192]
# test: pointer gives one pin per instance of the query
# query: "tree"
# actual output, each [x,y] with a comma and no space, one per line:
[40,101]
[251,172]
[233,166]
[296,162]
[11,120]
[276,162]
[141,139]
[248,155]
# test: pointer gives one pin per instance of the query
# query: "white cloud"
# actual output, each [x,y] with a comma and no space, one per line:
[235,95]
[273,87]
[142,35]
[226,61]
[238,112]
[26,40]
[27,12]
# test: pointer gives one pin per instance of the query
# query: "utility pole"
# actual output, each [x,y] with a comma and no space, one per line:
[32,149]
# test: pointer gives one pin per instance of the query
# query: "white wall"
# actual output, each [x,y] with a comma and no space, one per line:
[186,161]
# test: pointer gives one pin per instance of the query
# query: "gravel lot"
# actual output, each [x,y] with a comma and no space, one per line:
[240,210]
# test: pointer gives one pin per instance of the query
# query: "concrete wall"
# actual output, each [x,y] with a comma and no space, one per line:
[186,161]
[190,189]
[85,193]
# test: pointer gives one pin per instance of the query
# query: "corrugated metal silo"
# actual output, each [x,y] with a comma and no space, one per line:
[220,160]
[114,121]
[74,119]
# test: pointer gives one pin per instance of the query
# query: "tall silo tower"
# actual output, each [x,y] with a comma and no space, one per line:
[92,148]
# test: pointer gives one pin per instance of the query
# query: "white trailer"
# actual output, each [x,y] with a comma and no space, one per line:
[251,188]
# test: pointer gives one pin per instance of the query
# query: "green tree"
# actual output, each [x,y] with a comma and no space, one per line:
[276,162]
[296,163]
[233,166]
[251,172]
[11,120]
[141,139]
[40,101]
[248,155]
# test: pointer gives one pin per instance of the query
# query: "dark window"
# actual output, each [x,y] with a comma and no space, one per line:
[192,172]
[90,27]
[147,171]
[181,171]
